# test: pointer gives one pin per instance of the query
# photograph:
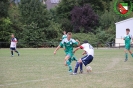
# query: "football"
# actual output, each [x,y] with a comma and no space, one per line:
[88,69]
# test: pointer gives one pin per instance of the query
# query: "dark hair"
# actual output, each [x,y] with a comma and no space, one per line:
[127,29]
[85,41]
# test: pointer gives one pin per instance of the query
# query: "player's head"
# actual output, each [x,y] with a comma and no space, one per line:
[69,35]
[64,32]
[127,30]
[85,41]
[12,35]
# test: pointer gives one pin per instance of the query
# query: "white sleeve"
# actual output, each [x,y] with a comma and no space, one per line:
[15,40]
[73,41]
[131,36]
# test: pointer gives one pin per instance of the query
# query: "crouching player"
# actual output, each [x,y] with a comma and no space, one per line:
[68,44]
[87,59]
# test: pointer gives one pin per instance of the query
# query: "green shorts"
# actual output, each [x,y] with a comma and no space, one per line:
[127,47]
[69,54]
[72,57]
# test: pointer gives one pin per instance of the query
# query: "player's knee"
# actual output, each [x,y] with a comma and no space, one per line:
[66,58]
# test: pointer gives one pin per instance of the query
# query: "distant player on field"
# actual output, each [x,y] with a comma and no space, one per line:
[13,45]
[68,43]
[127,39]
[87,59]
[64,35]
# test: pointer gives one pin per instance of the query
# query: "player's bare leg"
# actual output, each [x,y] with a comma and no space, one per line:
[130,52]
[126,55]
[66,59]
[68,63]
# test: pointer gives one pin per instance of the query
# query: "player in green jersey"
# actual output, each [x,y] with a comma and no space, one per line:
[127,39]
[64,35]
[68,43]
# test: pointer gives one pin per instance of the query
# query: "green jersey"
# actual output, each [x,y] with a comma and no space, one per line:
[68,44]
[127,39]
[64,36]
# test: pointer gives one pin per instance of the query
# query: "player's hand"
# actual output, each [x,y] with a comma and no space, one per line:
[54,52]
[83,53]
[77,40]
[65,63]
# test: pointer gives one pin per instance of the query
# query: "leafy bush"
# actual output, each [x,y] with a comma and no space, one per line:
[92,39]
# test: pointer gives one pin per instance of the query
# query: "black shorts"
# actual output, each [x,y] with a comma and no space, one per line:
[87,59]
[12,48]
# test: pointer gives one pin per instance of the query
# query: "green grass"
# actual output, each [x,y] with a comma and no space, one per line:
[39,68]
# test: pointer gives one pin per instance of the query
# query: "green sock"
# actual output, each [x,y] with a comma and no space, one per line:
[126,56]
[74,58]
[132,54]
[69,65]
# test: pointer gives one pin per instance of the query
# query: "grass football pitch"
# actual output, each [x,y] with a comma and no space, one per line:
[39,68]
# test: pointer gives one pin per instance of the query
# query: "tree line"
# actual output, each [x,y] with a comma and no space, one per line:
[33,24]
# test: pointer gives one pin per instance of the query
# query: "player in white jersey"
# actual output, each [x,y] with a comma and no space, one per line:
[87,59]
[13,45]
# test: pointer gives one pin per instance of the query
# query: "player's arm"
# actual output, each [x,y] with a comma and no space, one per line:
[131,39]
[123,38]
[57,49]
[78,42]
[80,47]
[61,44]
[84,53]
[76,49]
[15,40]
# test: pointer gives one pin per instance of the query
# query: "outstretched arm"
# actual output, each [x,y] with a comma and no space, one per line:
[57,49]
[78,42]
[76,49]
[84,53]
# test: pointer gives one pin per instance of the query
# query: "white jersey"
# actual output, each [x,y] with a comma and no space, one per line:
[88,48]
[13,42]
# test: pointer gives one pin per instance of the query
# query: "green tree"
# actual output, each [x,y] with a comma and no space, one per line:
[5,22]
[5,29]
[4,4]
[34,18]
[34,11]
[14,15]
[32,36]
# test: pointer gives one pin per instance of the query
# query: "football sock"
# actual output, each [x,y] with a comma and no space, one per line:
[76,67]
[126,56]
[132,54]
[74,58]
[69,65]
[16,51]
[81,66]
[11,52]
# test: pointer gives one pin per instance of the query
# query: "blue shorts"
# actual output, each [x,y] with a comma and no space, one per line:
[12,48]
[87,59]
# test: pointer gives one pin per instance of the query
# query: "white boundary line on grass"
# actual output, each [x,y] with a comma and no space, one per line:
[39,80]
